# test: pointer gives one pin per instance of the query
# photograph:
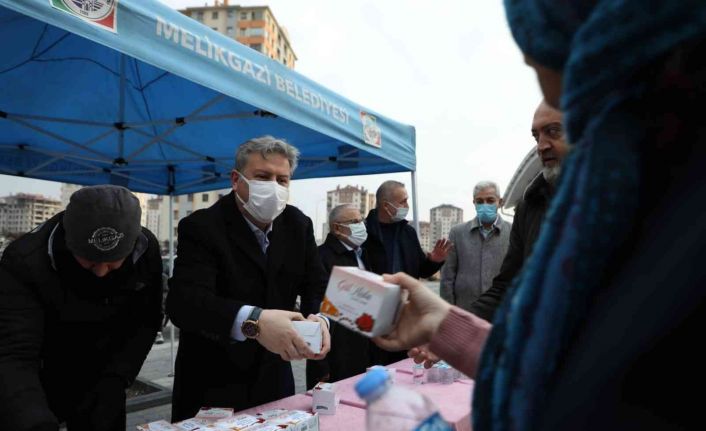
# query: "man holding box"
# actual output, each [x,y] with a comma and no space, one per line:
[241,264]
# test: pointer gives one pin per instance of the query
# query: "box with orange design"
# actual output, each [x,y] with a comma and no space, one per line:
[361,301]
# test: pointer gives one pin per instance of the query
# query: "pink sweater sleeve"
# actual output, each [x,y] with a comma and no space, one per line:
[460,340]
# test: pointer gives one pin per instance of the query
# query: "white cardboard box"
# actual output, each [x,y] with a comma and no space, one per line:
[191,424]
[237,423]
[310,332]
[324,399]
[214,413]
[361,301]
[296,420]
[157,426]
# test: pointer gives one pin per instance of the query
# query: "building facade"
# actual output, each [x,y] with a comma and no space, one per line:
[425,236]
[443,218]
[253,26]
[23,212]
[182,206]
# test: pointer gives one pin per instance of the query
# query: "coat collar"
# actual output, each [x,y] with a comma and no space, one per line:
[239,232]
[538,190]
[335,244]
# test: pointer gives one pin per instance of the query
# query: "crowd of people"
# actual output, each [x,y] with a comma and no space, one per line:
[583,314]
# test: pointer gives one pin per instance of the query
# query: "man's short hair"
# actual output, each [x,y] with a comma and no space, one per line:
[485,185]
[266,145]
[336,213]
[384,192]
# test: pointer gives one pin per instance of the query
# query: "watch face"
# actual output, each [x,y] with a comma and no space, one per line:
[250,329]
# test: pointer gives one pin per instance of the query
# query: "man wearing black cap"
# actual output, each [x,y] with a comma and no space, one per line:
[80,304]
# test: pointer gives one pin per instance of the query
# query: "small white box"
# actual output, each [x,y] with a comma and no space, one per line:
[191,424]
[157,426]
[392,372]
[361,301]
[271,414]
[237,423]
[324,399]
[310,332]
[212,414]
[296,420]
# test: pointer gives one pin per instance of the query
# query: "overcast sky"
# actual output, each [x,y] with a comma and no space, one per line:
[449,68]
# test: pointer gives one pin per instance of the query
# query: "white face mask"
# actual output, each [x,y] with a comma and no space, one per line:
[358,233]
[267,199]
[400,212]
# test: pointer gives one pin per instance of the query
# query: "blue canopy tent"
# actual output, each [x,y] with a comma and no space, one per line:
[131,92]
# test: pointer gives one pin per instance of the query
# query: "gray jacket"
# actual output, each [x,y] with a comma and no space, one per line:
[473,261]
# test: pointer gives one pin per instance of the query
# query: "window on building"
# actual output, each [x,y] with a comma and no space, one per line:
[204,197]
[256,31]
[190,198]
[188,212]
[243,31]
[256,46]
[199,15]
[229,31]
[176,214]
[244,15]
[175,232]
[214,28]
[214,14]
[231,14]
[257,15]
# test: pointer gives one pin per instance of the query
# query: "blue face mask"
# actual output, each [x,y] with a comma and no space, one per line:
[487,213]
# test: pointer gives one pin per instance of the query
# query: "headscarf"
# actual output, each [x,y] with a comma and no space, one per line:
[600,46]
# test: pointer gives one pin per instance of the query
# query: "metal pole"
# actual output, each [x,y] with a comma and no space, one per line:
[415,207]
[171,271]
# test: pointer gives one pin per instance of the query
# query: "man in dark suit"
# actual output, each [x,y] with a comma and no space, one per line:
[393,246]
[241,264]
[350,351]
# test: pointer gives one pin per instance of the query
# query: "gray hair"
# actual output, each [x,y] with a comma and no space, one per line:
[485,185]
[266,145]
[336,213]
[385,191]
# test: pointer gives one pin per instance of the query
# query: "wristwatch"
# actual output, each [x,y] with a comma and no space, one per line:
[251,327]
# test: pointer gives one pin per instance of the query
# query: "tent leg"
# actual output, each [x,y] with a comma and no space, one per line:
[171,272]
[415,207]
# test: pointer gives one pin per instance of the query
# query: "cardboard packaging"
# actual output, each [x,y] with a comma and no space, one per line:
[213,414]
[325,399]
[310,332]
[157,426]
[237,423]
[296,420]
[191,424]
[361,301]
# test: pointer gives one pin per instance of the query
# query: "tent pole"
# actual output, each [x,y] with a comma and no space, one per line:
[121,108]
[171,272]
[415,205]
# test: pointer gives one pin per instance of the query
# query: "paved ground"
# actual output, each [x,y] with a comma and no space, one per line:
[157,369]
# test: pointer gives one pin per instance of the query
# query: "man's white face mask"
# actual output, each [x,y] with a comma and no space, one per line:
[267,199]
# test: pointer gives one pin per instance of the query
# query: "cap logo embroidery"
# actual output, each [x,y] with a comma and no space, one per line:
[105,238]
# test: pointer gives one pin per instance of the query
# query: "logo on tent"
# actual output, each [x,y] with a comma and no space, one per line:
[102,13]
[371,132]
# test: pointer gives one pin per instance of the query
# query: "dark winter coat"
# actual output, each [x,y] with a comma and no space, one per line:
[70,342]
[221,267]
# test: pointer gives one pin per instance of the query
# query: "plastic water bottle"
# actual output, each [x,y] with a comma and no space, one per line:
[395,408]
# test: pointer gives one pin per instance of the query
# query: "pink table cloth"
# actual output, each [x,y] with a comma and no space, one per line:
[454,401]
[346,417]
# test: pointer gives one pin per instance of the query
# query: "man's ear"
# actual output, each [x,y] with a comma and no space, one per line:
[234,175]
[501,203]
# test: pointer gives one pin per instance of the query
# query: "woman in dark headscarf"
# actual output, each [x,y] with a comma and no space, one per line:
[602,328]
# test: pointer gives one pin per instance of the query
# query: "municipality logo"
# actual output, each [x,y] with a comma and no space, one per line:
[372,135]
[105,238]
[102,13]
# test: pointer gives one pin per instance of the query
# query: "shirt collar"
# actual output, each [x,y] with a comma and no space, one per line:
[256,229]
[475,224]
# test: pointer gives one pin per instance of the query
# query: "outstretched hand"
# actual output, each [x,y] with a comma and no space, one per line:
[420,316]
[441,250]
